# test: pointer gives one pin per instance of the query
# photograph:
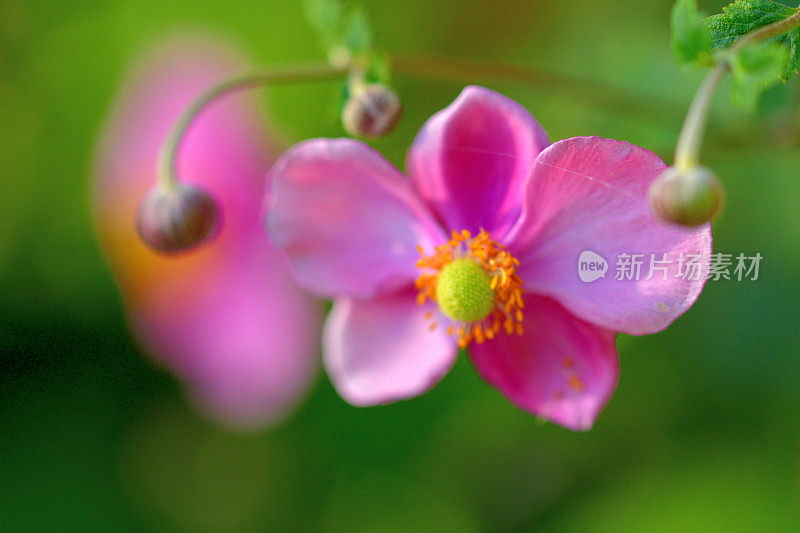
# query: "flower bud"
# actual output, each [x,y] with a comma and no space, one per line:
[686,197]
[175,219]
[372,111]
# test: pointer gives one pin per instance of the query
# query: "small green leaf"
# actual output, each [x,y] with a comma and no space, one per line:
[744,16]
[691,39]
[755,68]
[340,28]
[327,17]
[357,33]
[346,33]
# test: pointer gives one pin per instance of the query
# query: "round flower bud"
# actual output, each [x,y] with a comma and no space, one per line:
[372,111]
[686,197]
[175,219]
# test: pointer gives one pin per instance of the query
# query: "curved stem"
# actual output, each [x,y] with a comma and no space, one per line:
[167,161]
[476,70]
[687,150]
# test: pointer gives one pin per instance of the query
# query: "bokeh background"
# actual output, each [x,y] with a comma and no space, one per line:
[703,433]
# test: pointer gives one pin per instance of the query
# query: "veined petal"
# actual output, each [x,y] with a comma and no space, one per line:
[590,194]
[382,350]
[562,369]
[348,220]
[471,160]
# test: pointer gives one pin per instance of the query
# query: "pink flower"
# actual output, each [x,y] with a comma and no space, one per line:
[226,319]
[485,188]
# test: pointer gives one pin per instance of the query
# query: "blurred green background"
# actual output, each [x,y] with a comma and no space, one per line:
[703,433]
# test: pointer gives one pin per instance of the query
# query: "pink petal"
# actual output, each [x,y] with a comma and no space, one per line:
[382,350]
[349,221]
[471,160]
[223,318]
[246,349]
[590,194]
[562,369]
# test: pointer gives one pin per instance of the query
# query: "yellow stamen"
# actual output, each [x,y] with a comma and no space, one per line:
[474,318]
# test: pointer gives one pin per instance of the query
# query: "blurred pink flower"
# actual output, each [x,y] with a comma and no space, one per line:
[227,318]
[485,183]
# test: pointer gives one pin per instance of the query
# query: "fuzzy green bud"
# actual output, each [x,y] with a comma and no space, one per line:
[689,197]
[176,219]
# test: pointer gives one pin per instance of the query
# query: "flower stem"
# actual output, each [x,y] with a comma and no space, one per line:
[487,71]
[687,150]
[168,157]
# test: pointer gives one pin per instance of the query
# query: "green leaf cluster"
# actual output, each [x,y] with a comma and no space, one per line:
[701,41]
[745,16]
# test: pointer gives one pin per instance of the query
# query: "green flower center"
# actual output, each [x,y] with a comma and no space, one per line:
[474,282]
[464,291]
